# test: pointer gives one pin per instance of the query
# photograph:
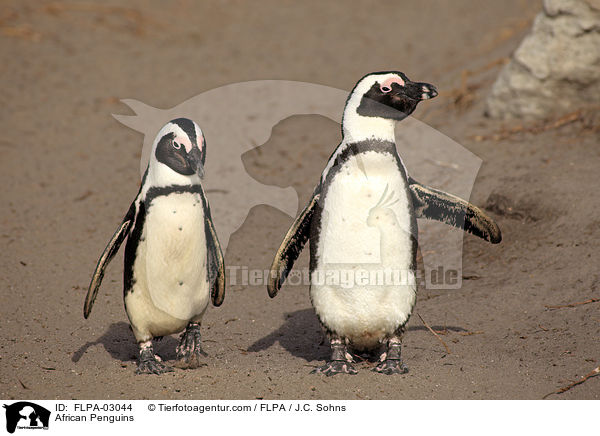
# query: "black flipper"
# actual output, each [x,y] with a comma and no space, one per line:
[291,246]
[440,206]
[109,252]
[216,262]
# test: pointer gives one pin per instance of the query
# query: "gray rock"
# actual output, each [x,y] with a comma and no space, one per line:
[557,66]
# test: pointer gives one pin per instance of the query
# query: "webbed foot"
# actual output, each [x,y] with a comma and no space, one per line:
[390,361]
[341,359]
[149,363]
[334,367]
[189,350]
[390,367]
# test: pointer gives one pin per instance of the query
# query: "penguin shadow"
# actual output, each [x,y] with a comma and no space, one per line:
[119,342]
[298,335]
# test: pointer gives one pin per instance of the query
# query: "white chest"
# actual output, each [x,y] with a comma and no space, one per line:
[363,286]
[366,215]
[173,249]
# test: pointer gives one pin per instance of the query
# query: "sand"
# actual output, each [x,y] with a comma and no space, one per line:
[69,172]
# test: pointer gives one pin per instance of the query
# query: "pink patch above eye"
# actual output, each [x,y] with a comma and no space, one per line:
[184,142]
[386,86]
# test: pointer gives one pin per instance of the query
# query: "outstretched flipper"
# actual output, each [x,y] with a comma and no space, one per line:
[216,262]
[291,246]
[440,206]
[109,252]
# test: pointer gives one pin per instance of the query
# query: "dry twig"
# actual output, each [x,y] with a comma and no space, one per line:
[591,374]
[22,384]
[463,96]
[579,303]
[569,118]
[470,333]
[436,335]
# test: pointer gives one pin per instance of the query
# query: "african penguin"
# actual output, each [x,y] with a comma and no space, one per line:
[362,226]
[173,260]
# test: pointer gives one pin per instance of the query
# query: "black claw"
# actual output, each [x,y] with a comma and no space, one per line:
[149,364]
[391,366]
[335,367]
[189,350]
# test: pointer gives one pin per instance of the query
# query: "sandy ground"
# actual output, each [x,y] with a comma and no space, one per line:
[69,171]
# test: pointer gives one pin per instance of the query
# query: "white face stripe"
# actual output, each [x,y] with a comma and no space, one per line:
[358,128]
[160,174]
[387,83]
[385,79]
[180,136]
[199,137]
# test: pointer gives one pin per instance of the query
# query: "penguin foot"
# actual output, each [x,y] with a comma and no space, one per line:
[335,367]
[189,350]
[341,359]
[149,363]
[390,361]
[391,366]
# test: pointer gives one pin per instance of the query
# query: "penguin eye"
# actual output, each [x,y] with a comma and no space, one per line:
[385,89]
[176,145]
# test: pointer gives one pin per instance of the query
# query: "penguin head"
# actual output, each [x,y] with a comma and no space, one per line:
[178,153]
[388,95]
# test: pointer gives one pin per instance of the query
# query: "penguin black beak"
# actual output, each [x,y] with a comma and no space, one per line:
[195,161]
[420,91]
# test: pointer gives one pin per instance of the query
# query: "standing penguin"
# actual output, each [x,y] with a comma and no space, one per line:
[173,260]
[362,224]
